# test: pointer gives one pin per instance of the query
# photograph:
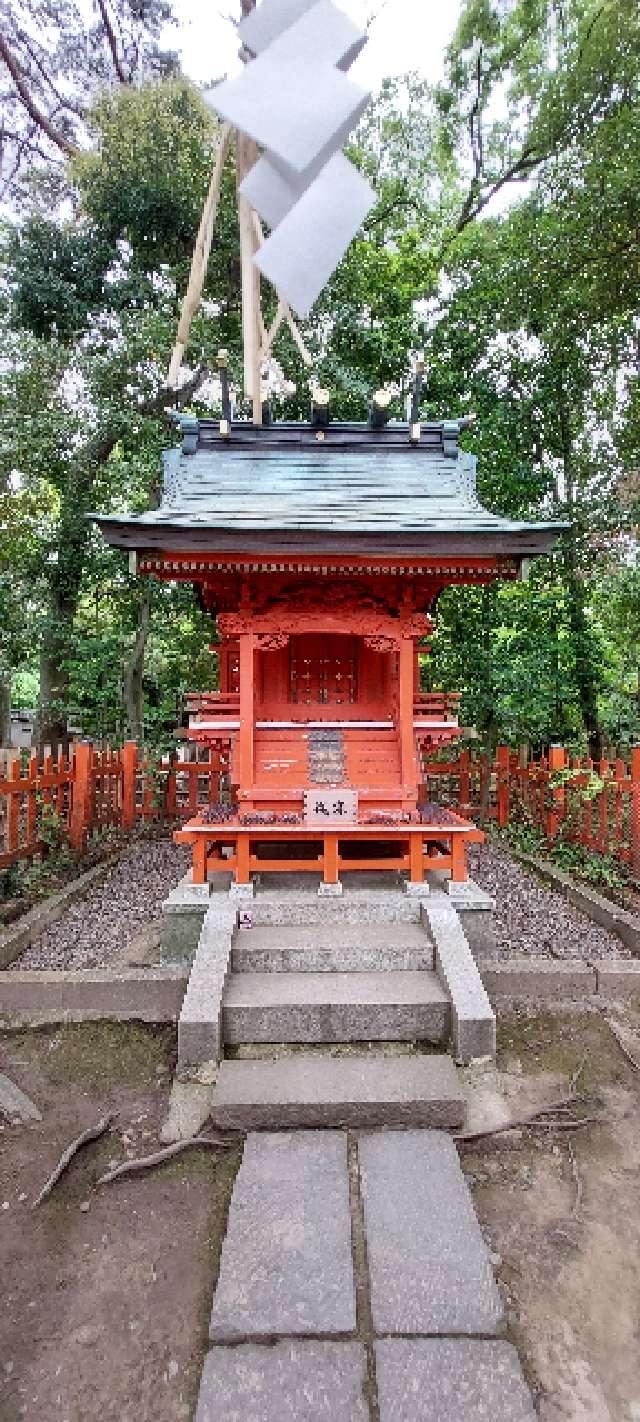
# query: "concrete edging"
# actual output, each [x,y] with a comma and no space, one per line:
[156,994]
[125,995]
[626,926]
[544,978]
[14,940]
[473,1020]
[200,1024]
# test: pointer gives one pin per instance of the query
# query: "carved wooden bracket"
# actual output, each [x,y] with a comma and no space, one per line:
[271,641]
[381,644]
[274,627]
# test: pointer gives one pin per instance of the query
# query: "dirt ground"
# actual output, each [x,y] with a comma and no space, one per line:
[561,1212]
[104,1310]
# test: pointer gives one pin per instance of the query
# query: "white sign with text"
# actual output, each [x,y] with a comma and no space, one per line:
[330,806]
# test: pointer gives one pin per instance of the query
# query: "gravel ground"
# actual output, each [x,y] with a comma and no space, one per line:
[531,918]
[99,928]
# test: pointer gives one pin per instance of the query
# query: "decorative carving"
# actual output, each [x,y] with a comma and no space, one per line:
[271,641]
[235,624]
[346,614]
[381,644]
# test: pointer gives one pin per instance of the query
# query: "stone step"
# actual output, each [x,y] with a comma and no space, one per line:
[338,1091]
[355,906]
[336,947]
[335,1007]
[451,1379]
[429,1266]
[286,1265]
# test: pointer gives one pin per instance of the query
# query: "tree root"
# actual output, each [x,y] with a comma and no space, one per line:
[534,1120]
[92,1134]
[146,1162]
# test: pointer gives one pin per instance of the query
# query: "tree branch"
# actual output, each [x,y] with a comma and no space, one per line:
[63,103]
[112,43]
[39,118]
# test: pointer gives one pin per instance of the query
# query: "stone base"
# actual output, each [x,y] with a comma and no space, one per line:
[416,891]
[330,891]
[242,891]
[468,895]
[189,1108]
[182,919]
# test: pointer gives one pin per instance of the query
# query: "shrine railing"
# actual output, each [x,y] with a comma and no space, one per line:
[594,804]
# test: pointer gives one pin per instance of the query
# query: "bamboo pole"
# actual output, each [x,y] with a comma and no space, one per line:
[200,258]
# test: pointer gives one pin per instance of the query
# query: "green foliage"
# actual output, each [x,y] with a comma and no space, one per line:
[146,178]
[528,316]
[603,871]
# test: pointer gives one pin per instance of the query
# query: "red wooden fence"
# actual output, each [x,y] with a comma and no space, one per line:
[595,804]
[42,803]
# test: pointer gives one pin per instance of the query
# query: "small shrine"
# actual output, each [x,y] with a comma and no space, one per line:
[320,550]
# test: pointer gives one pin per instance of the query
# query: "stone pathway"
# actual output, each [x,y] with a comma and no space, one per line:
[355,1286]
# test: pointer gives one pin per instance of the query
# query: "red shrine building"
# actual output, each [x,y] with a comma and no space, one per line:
[320,550]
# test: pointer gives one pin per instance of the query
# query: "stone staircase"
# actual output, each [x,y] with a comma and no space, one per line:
[346,974]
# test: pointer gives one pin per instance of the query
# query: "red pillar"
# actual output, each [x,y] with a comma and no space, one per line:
[502,759]
[405,711]
[245,758]
[555,814]
[635,809]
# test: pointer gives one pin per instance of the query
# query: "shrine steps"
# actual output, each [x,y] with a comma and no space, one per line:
[337,948]
[331,1012]
[285,1093]
[335,1007]
[356,906]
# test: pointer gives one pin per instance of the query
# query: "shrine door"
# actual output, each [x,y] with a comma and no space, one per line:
[323,671]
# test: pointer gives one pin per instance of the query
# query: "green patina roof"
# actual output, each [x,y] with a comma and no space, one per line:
[279,485]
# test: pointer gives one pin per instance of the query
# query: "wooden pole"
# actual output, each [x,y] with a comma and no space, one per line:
[503,765]
[555,814]
[200,259]
[81,810]
[635,810]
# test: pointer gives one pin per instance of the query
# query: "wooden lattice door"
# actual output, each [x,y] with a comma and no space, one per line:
[323,670]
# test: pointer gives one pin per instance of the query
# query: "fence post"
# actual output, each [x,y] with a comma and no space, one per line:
[503,763]
[635,809]
[81,808]
[129,771]
[555,812]
[464,802]
[170,806]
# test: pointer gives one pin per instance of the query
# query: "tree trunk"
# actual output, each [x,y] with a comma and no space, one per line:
[486,720]
[583,650]
[585,671]
[5,708]
[133,699]
[64,591]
